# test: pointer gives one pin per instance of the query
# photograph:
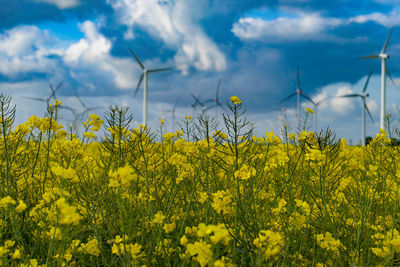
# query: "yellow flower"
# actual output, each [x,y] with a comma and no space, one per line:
[91,247]
[201,252]
[89,135]
[16,254]
[54,233]
[245,172]
[21,206]
[57,103]
[222,202]
[184,241]
[5,201]
[235,100]
[309,110]
[162,121]
[158,217]
[68,213]
[169,227]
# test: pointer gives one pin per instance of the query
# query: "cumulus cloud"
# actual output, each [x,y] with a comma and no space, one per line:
[25,49]
[93,51]
[302,27]
[28,49]
[342,105]
[62,4]
[176,24]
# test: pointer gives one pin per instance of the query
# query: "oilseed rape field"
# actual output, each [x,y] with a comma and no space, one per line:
[200,196]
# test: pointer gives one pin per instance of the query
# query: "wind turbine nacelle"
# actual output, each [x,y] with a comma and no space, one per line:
[384,56]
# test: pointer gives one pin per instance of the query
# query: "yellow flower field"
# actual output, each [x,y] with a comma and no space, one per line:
[200,196]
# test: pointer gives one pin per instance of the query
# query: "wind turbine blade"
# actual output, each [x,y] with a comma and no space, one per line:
[80,100]
[298,78]
[68,108]
[369,57]
[93,108]
[287,98]
[137,59]
[366,83]
[139,83]
[35,98]
[197,101]
[322,100]
[350,95]
[52,89]
[306,97]
[388,74]
[158,70]
[387,41]
[58,86]
[369,113]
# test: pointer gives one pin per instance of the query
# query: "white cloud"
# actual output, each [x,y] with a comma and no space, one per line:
[302,27]
[305,26]
[387,20]
[93,51]
[175,23]
[21,40]
[62,4]
[25,49]
[342,105]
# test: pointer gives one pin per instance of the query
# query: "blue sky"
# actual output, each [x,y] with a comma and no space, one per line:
[253,46]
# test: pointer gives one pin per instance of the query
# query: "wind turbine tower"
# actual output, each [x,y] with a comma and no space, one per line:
[217,104]
[299,94]
[384,70]
[363,96]
[144,76]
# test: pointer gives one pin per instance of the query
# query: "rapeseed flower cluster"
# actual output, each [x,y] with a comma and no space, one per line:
[128,197]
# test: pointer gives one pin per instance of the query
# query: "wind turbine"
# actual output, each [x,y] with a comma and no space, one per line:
[299,94]
[363,96]
[52,95]
[172,111]
[197,101]
[216,101]
[144,77]
[86,109]
[383,57]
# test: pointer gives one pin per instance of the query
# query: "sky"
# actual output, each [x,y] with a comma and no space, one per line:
[253,47]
